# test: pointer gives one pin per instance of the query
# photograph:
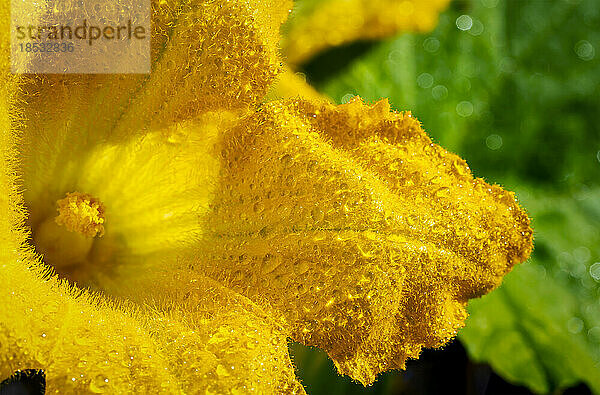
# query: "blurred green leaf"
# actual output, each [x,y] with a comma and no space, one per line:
[516,94]
[541,328]
[513,87]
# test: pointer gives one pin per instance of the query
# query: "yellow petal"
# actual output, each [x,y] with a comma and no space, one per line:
[218,55]
[218,341]
[293,85]
[83,133]
[83,343]
[367,238]
[206,56]
[210,339]
[11,214]
[336,22]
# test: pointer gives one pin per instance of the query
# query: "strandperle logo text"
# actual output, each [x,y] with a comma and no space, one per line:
[82,31]
[80,36]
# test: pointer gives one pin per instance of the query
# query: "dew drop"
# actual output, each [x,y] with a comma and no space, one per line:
[258,207]
[439,92]
[317,214]
[301,267]
[286,160]
[582,254]
[269,264]
[411,220]
[460,169]
[396,56]
[99,384]
[301,289]
[442,193]
[347,97]
[477,28]
[222,371]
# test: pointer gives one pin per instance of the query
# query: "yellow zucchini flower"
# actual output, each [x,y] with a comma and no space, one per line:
[167,233]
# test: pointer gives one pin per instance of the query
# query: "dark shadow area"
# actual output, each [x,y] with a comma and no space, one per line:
[444,371]
[24,382]
[332,61]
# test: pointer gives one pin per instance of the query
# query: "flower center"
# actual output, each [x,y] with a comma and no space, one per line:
[67,239]
[81,213]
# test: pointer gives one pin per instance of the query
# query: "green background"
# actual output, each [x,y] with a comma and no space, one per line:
[514,88]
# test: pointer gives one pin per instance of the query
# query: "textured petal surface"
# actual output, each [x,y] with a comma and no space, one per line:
[321,25]
[192,335]
[212,341]
[206,56]
[9,212]
[217,340]
[364,235]
[84,345]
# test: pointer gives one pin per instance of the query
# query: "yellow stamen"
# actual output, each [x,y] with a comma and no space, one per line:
[67,239]
[81,213]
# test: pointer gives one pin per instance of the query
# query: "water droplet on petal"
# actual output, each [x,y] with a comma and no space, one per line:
[301,267]
[222,371]
[99,384]
[270,263]
[317,214]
